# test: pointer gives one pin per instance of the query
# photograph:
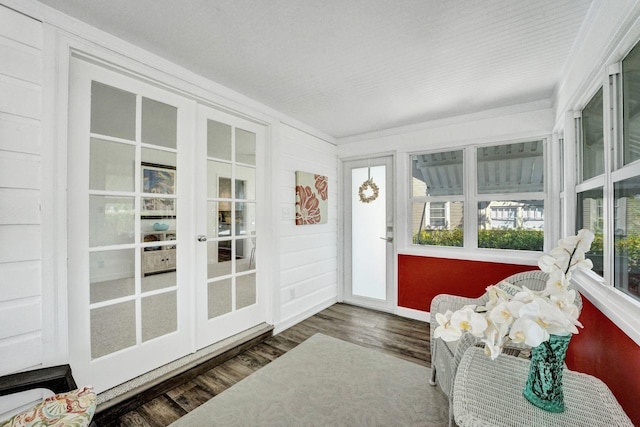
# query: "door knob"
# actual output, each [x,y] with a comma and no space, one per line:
[202,238]
[388,239]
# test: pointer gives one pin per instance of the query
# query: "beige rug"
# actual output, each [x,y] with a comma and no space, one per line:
[328,382]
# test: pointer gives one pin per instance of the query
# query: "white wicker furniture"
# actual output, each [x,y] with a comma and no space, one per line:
[489,393]
[445,356]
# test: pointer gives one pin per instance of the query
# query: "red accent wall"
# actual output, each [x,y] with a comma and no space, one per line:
[603,350]
[600,349]
[422,278]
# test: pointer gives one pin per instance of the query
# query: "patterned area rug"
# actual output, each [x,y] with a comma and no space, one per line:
[328,382]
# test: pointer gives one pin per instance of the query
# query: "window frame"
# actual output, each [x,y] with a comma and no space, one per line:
[471,198]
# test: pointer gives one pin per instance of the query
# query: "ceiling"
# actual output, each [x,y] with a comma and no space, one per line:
[357,66]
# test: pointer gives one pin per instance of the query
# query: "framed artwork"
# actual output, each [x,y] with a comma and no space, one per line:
[312,198]
[158,179]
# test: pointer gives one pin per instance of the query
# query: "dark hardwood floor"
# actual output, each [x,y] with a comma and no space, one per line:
[398,336]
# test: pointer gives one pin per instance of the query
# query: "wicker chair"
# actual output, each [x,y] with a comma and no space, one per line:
[445,356]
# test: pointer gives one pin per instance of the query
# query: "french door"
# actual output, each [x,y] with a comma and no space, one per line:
[368,242]
[162,226]
[229,153]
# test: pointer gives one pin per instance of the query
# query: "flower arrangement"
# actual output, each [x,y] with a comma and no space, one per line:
[521,315]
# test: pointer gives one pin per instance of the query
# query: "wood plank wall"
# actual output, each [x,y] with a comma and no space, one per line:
[21,59]
[308,253]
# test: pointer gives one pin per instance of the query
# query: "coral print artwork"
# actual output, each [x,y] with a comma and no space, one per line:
[311,198]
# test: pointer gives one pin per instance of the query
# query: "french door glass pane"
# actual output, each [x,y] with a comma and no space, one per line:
[159,123]
[590,215]
[509,168]
[218,140]
[159,315]
[113,111]
[245,290]
[245,147]
[111,166]
[218,258]
[102,265]
[627,236]
[111,220]
[113,328]
[631,105]
[219,301]
[218,180]
[245,183]
[369,222]
[593,138]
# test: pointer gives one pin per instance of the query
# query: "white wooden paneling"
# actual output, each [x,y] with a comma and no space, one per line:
[20,354]
[20,28]
[19,171]
[20,61]
[21,76]
[19,319]
[19,206]
[20,97]
[19,134]
[308,274]
[298,274]
[20,243]
[19,280]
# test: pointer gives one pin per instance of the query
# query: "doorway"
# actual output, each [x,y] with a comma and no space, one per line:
[162,225]
[369,231]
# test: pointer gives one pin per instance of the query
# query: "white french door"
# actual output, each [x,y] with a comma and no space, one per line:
[163,202]
[229,154]
[368,242]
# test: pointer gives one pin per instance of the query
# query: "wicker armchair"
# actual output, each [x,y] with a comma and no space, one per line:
[445,356]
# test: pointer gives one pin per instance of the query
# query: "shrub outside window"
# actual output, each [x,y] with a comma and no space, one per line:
[437,198]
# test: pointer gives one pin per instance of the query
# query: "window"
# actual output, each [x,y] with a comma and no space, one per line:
[510,191]
[592,138]
[437,199]
[509,197]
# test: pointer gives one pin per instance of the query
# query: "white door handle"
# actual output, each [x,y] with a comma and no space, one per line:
[388,239]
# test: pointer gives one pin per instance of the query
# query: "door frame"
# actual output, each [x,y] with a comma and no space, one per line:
[390,305]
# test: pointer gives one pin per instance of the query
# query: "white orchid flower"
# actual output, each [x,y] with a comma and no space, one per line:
[494,341]
[547,263]
[446,330]
[526,295]
[585,239]
[558,283]
[467,320]
[528,331]
[496,296]
[548,316]
[505,312]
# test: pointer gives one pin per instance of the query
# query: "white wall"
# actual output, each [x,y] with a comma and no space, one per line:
[20,188]
[33,284]
[308,253]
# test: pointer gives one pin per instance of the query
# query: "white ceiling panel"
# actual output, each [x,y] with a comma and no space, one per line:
[356,66]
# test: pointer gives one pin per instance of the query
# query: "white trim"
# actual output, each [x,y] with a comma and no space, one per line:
[503,256]
[410,313]
[623,310]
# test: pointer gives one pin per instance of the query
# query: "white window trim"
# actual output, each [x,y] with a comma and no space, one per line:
[620,308]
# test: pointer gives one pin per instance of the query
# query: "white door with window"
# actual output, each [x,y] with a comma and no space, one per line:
[228,296]
[162,226]
[368,242]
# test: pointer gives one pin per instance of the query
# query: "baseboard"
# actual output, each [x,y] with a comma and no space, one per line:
[424,316]
[287,323]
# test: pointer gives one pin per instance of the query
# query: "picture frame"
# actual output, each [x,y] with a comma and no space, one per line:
[158,179]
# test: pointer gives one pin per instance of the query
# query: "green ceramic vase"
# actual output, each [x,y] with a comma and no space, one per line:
[544,383]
